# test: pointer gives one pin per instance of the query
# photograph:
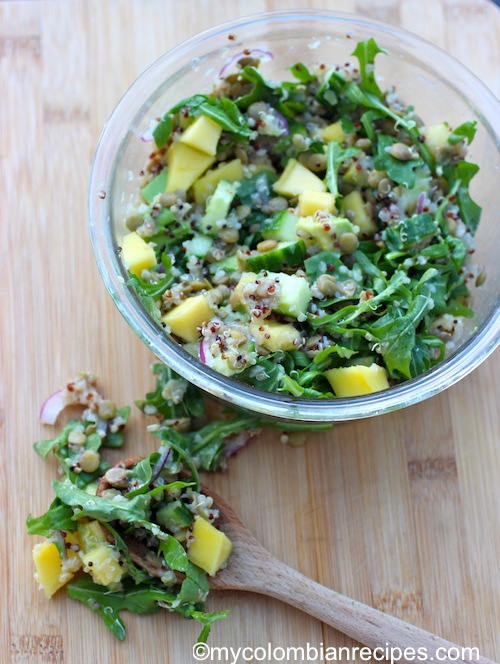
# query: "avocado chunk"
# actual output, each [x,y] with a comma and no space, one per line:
[324,231]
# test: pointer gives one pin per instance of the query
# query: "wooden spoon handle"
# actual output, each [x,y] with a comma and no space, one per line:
[365,624]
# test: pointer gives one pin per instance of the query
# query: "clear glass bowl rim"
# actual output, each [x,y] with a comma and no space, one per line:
[240,395]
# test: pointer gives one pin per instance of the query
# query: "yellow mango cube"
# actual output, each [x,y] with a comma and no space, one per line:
[51,572]
[185,165]
[334,132]
[312,201]
[231,171]
[202,135]
[137,255]
[357,380]
[275,336]
[211,548]
[354,202]
[103,564]
[296,179]
[185,318]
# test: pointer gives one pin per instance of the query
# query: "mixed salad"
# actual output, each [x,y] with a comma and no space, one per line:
[310,236]
[139,535]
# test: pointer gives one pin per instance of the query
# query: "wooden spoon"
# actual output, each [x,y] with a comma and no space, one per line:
[252,568]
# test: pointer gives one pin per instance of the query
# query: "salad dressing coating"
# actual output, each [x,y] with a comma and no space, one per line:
[289,229]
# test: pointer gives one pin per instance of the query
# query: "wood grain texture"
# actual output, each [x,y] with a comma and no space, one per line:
[400,512]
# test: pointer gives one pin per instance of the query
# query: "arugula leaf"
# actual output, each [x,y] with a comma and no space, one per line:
[143,473]
[194,588]
[410,232]
[207,619]
[58,517]
[335,155]
[134,510]
[398,343]
[462,173]
[402,172]
[142,599]
[363,98]
[114,440]
[162,131]
[174,554]
[43,447]
[366,51]
[160,402]
[301,72]
[465,131]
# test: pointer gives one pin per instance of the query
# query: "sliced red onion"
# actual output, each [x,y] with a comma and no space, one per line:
[205,354]
[147,136]
[52,407]
[159,465]
[282,123]
[263,56]
[420,202]
[237,441]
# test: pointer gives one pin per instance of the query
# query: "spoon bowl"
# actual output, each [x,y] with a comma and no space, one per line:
[252,568]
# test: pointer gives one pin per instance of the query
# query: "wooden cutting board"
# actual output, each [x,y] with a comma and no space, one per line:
[400,512]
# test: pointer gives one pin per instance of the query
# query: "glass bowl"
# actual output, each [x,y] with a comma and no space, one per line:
[439,87]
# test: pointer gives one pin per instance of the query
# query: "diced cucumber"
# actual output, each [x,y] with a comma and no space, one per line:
[174,516]
[281,227]
[218,206]
[198,246]
[228,264]
[286,254]
[294,297]
[155,187]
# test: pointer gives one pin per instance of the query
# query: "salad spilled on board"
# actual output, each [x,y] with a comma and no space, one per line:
[311,237]
[140,535]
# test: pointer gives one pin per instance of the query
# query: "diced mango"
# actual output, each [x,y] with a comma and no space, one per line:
[232,171]
[211,548]
[103,563]
[275,336]
[357,380]
[137,255]
[185,318]
[354,202]
[296,179]
[50,571]
[202,135]
[185,165]
[312,201]
[334,132]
